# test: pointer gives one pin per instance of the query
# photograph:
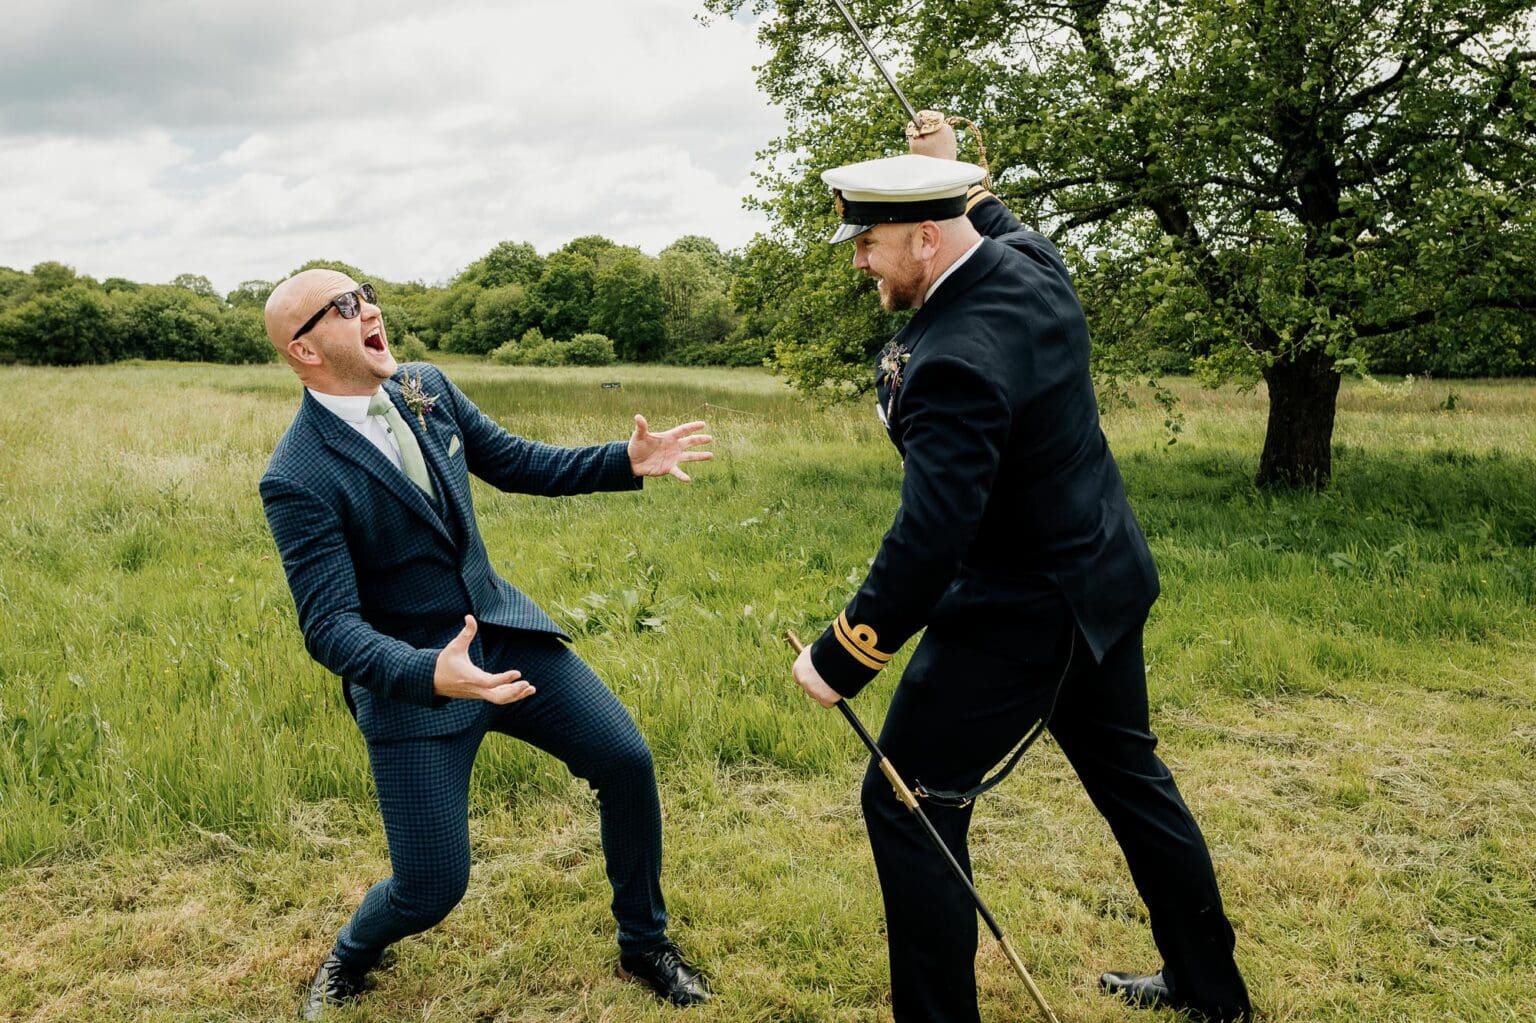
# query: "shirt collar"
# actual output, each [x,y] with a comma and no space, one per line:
[351,407]
[967,254]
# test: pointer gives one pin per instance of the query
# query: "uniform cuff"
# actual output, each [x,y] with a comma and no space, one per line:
[976,196]
[846,658]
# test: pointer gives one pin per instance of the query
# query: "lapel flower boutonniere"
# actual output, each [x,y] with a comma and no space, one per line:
[416,399]
[893,359]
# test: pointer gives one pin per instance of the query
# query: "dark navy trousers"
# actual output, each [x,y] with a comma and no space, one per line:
[423,789]
[958,711]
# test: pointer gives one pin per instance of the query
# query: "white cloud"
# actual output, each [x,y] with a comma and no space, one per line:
[405,139]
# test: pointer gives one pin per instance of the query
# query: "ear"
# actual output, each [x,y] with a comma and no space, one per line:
[300,351]
[927,239]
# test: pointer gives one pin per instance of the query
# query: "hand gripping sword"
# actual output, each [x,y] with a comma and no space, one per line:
[904,794]
[924,125]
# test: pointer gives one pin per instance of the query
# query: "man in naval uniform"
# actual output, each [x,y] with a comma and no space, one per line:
[368,498]
[1014,545]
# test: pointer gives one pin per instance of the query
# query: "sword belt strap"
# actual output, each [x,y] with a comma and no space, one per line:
[946,797]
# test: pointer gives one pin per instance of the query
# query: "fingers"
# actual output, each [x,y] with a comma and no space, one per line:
[467,634]
[680,474]
[687,428]
[695,456]
[509,693]
[693,442]
[641,427]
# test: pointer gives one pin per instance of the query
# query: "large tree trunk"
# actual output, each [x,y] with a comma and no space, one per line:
[1298,444]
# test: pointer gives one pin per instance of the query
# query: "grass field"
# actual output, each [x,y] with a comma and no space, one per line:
[1343,684]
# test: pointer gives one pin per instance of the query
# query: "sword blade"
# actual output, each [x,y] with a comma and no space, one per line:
[848,17]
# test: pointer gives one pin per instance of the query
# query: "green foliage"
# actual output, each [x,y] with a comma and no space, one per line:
[1341,683]
[507,263]
[698,308]
[589,350]
[532,349]
[627,304]
[410,349]
[168,321]
[199,285]
[1261,186]
[250,294]
[69,326]
[564,293]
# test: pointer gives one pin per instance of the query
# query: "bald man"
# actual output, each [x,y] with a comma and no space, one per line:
[368,498]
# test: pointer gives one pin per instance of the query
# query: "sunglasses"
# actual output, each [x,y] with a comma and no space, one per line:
[348,304]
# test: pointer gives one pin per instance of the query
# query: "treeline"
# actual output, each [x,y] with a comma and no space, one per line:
[589,302]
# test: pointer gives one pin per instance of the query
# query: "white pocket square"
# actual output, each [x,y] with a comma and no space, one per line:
[454,445]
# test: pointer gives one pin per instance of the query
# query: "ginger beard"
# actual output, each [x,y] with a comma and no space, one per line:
[885,252]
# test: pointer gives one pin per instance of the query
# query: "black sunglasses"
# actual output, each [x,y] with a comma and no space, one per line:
[346,304]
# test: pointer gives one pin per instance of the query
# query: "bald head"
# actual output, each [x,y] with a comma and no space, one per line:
[339,354]
[297,299]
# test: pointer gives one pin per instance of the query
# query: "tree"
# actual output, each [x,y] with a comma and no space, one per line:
[507,263]
[500,315]
[199,285]
[168,321]
[71,326]
[627,305]
[250,294]
[564,293]
[1279,190]
[52,276]
[698,311]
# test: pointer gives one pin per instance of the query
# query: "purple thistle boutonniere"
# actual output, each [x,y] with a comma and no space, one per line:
[893,359]
[416,399]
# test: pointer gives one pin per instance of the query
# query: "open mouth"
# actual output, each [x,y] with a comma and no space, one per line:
[374,342]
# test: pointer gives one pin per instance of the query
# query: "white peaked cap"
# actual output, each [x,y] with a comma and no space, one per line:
[899,189]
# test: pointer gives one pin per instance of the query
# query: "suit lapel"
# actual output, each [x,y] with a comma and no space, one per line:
[453,486]
[341,438]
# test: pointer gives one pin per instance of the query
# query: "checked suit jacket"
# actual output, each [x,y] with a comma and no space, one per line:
[382,575]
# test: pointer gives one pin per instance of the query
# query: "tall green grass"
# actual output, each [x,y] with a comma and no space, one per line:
[1343,682]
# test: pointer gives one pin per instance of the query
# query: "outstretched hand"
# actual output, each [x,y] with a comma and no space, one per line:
[661,454]
[459,677]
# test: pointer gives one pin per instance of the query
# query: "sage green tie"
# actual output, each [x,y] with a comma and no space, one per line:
[410,452]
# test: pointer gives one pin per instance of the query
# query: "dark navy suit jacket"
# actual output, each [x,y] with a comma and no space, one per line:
[1013,517]
[381,574]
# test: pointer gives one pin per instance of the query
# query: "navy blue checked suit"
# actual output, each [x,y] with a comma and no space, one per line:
[382,576]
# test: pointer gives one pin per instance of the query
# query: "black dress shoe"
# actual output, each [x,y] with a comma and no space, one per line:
[1150,991]
[333,984]
[664,970]
[1144,992]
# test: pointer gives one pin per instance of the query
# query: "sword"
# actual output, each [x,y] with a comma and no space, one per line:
[923,126]
[904,794]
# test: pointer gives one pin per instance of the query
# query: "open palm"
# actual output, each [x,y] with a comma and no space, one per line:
[662,454]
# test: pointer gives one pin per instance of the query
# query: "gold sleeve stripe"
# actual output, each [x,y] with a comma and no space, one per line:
[859,641]
[975,188]
[976,198]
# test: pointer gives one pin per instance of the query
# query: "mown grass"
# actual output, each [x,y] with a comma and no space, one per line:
[1343,684]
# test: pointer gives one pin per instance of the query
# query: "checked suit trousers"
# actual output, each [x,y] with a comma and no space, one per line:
[423,790]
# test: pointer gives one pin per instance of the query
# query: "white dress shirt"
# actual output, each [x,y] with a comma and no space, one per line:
[967,254]
[353,408]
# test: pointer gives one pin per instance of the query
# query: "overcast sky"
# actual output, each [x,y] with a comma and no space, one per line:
[147,138]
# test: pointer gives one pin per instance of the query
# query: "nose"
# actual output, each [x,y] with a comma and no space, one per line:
[860,257]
